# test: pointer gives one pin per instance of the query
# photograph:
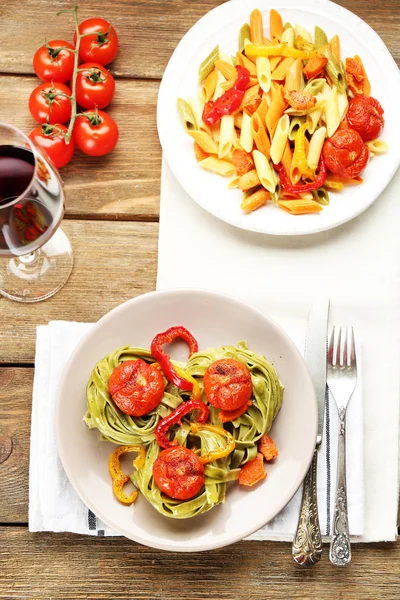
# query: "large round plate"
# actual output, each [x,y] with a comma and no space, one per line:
[221,26]
[215,320]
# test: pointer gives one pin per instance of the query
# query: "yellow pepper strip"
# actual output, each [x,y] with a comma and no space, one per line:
[119,478]
[196,392]
[279,50]
[220,452]
[299,156]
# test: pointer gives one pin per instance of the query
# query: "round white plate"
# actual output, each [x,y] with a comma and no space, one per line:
[214,320]
[221,26]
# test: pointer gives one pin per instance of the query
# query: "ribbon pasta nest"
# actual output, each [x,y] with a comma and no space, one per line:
[189,442]
[286,118]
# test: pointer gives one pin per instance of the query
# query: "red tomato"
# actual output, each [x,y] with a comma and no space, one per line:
[179,473]
[365,115]
[95,86]
[47,105]
[227,384]
[51,139]
[96,135]
[136,387]
[345,154]
[102,46]
[52,63]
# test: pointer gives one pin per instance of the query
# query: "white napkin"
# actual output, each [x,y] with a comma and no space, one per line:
[54,505]
[356,264]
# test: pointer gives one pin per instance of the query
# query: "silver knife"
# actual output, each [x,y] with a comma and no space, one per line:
[307,543]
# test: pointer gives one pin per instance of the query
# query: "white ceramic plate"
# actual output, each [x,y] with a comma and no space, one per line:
[214,320]
[221,26]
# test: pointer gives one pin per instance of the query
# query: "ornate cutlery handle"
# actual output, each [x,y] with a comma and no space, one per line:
[340,550]
[307,543]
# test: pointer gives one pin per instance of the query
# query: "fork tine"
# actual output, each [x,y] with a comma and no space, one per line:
[338,347]
[330,348]
[353,360]
[345,343]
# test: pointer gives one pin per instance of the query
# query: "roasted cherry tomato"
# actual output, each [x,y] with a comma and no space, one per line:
[136,387]
[51,139]
[227,384]
[345,154]
[49,103]
[95,86]
[179,473]
[54,61]
[102,46]
[95,133]
[365,115]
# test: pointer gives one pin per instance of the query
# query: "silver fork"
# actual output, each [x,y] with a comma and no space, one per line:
[341,380]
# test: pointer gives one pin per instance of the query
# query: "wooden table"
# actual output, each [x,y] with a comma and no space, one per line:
[112,222]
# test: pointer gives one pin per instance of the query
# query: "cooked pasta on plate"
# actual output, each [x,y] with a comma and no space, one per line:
[288,119]
[194,427]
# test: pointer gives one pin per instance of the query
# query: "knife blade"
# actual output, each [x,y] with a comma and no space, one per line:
[307,543]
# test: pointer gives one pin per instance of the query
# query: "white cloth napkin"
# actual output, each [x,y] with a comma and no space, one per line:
[54,505]
[356,264]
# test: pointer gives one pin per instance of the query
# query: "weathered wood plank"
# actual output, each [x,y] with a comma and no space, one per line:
[148,31]
[69,567]
[113,262]
[126,183]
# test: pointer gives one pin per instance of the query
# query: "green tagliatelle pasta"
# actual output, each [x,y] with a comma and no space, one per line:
[247,429]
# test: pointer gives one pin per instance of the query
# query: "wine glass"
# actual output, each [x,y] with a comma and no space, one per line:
[35,255]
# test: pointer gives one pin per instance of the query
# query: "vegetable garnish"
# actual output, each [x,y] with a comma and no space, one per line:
[230,100]
[220,452]
[227,384]
[267,447]
[164,360]
[365,115]
[175,417]
[136,387]
[253,471]
[179,473]
[119,478]
[345,154]
[230,415]
[299,188]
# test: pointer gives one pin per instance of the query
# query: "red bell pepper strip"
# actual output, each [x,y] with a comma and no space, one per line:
[175,417]
[230,100]
[287,185]
[166,337]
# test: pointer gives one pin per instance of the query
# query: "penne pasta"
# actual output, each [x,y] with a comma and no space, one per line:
[256,28]
[274,62]
[251,96]
[249,180]
[300,31]
[366,83]
[343,105]
[260,136]
[226,134]
[334,46]
[226,69]
[197,108]
[279,140]
[254,201]
[262,110]
[227,85]
[377,146]
[276,108]
[208,86]
[205,142]
[215,129]
[263,73]
[288,37]
[246,136]
[300,207]
[321,196]
[238,120]
[221,167]
[275,24]
[249,65]
[219,91]
[302,44]
[331,111]
[199,153]
[186,114]
[208,64]
[281,70]
[334,71]
[287,158]
[320,38]
[234,182]
[315,86]
[315,148]
[265,171]
[293,76]
[295,124]
[244,34]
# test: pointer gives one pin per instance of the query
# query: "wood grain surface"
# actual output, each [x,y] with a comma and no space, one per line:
[112,206]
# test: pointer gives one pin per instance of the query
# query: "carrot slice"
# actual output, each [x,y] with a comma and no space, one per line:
[267,447]
[230,415]
[242,162]
[314,66]
[252,471]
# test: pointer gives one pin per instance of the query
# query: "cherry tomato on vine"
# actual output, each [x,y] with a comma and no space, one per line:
[227,384]
[51,139]
[95,86]
[136,387]
[48,103]
[53,62]
[345,154]
[179,473]
[102,46]
[95,133]
[365,115]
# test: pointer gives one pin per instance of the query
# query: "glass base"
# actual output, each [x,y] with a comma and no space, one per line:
[39,275]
